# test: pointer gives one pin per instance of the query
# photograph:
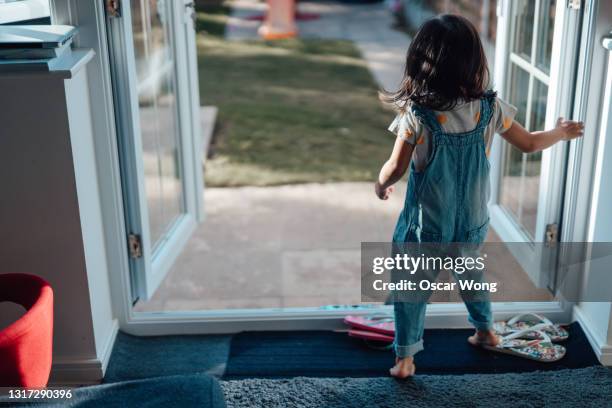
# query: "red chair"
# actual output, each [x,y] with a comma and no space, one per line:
[26,345]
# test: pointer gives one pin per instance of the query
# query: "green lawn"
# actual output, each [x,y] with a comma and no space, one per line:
[289,111]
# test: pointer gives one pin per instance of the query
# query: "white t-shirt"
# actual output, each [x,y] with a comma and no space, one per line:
[462,118]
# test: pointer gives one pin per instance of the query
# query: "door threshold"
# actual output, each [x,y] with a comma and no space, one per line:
[439,315]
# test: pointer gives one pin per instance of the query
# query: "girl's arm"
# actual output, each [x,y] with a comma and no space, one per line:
[394,168]
[530,142]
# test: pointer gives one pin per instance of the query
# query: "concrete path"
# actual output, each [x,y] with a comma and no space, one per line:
[293,246]
[369,26]
[284,246]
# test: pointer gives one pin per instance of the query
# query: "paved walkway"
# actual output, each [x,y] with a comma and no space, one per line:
[292,246]
[369,26]
[285,246]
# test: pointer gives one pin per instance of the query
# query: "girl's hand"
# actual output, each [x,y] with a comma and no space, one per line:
[381,193]
[570,129]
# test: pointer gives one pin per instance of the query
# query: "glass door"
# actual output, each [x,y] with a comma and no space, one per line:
[155,112]
[158,114]
[539,51]
[527,89]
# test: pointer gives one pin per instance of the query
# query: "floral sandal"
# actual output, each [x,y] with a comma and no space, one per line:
[525,321]
[540,349]
[378,323]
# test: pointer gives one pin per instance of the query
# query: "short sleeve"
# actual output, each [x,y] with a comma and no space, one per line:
[406,127]
[503,115]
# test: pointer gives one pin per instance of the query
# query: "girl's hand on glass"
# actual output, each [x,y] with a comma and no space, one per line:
[382,193]
[570,129]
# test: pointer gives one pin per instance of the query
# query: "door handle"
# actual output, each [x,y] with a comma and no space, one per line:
[606,42]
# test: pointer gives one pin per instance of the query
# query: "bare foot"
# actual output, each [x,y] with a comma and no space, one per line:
[404,367]
[486,337]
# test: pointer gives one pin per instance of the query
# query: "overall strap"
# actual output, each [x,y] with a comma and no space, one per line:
[486,110]
[427,118]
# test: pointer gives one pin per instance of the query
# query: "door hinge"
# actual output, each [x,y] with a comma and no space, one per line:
[135,246]
[574,4]
[113,8]
[552,234]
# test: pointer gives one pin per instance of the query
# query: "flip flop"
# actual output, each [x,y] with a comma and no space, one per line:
[525,321]
[541,349]
[371,336]
[373,340]
[380,323]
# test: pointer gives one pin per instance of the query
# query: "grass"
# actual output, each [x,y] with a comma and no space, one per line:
[290,111]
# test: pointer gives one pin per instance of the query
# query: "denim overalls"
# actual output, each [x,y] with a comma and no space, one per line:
[445,202]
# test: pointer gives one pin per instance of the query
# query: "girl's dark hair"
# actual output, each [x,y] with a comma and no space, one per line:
[445,64]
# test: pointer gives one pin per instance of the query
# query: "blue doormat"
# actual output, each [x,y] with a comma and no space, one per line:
[333,354]
[136,357]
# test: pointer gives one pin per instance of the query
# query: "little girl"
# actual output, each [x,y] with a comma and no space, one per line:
[445,128]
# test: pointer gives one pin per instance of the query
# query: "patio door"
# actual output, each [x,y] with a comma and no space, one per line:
[538,55]
[152,47]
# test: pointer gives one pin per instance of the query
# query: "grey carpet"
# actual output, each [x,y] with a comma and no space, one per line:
[146,357]
[587,387]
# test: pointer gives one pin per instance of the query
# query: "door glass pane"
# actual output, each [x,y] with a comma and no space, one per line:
[510,191]
[158,115]
[523,27]
[538,106]
[545,34]
[169,157]
[520,187]
[512,188]
[533,162]
[519,92]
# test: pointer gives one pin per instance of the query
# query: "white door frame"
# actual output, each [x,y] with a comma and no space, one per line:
[92,16]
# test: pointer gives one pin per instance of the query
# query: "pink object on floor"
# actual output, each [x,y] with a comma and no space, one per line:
[378,324]
[369,335]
